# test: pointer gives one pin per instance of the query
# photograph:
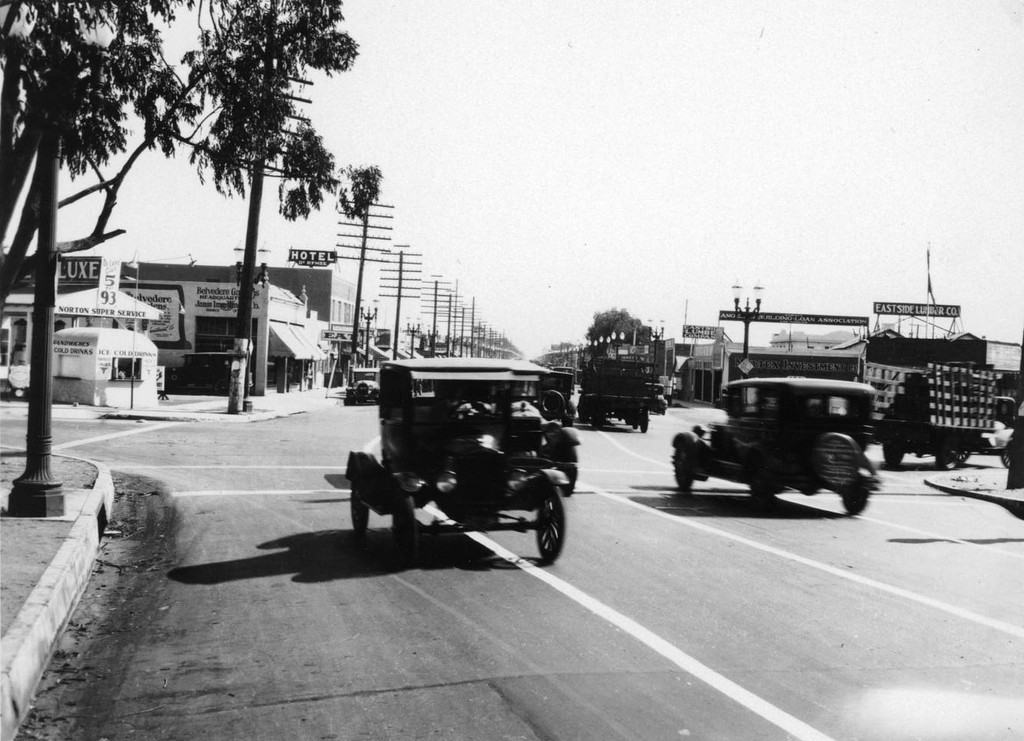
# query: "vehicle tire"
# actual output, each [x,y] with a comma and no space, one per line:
[645,420]
[893,454]
[360,512]
[683,467]
[405,530]
[855,497]
[762,483]
[550,525]
[1004,456]
[553,403]
[947,456]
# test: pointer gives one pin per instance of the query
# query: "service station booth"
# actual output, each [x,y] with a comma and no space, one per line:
[103,366]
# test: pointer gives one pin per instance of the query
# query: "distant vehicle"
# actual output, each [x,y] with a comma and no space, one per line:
[947,411]
[804,433]
[365,387]
[616,388]
[556,402]
[201,371]
[465,434]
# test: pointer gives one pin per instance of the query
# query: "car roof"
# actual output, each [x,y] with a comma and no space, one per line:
[468,365]
[805,385]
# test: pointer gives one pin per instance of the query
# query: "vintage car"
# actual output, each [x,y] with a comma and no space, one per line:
[804,433]
[556,403]
[365,387]
[466,435]
[201,371]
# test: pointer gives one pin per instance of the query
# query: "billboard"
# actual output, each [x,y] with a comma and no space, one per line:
[895,308]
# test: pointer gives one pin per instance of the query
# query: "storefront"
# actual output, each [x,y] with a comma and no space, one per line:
[102,366]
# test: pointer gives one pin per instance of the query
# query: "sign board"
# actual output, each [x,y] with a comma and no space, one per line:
[160,377]
[312,258]
[893,308]
[776,318]
[764,365]
[746,366]
[335,335]
[80,271]
[701,331]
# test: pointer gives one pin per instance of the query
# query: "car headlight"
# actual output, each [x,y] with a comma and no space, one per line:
[409,482]
[517,479]
[446,481]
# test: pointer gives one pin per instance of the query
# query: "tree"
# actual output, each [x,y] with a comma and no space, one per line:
[219,110]
[355,200]
[613,321]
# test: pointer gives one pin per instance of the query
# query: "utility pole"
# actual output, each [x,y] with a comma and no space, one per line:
[1015,476]
[400,280]
[365,225]
[432,298]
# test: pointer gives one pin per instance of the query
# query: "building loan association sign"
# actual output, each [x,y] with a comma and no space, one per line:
[838,320]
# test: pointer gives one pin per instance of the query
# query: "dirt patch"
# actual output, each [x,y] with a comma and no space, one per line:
[73,473]
[87,667]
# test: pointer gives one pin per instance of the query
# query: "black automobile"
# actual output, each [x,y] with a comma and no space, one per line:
[201,371]
[365,387]
[556,402]
[808,434]
[463,434]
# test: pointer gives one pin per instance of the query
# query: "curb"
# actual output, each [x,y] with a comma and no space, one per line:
[1015,504]
[28,643]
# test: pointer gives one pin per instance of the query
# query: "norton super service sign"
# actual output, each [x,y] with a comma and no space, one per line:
[893,308]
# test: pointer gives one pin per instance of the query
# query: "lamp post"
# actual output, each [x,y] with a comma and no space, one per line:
[37,493]
[368,316]
[747,315]
[413,332]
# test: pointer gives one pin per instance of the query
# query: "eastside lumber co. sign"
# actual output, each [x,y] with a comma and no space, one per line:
[312,258]
[838,320]
[701,331]
[894,308]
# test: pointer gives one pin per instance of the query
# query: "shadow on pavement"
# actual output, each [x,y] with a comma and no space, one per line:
[731,503]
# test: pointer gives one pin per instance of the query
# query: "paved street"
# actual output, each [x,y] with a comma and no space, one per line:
[666,617]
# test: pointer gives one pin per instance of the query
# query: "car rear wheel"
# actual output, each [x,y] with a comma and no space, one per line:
[550,525]
[405,530]
[893,454]
[645,421]
[947,456]
[359,510]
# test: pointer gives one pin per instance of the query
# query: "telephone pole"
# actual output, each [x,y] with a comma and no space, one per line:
[400,280]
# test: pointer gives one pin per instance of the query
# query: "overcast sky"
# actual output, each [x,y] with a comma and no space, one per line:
[563,158]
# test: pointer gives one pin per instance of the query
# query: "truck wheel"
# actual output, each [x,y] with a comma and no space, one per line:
[550,525]
[359,511]
[855,497]
[405,529]
[645,421]
[893,454]
[947,455]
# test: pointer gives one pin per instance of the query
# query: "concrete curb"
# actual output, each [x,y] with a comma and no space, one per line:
[1014,502]
[28,643]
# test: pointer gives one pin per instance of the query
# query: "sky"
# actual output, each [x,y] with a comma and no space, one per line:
[561,158]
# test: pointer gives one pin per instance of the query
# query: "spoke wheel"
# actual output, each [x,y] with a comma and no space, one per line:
[360,512]
[405,530]
[550,526]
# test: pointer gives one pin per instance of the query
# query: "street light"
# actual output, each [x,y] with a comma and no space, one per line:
[37,493]
[747,315]
[367,317]
[413,332]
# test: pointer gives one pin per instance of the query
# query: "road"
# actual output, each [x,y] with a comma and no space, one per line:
[666,617]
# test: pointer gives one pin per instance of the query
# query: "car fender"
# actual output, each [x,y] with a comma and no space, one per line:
[686,441]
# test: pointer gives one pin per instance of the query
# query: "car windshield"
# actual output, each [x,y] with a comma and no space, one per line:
[440,399]
[367,375]
[832,406]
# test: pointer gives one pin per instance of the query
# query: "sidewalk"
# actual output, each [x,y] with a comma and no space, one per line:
[989,485]
[47,562]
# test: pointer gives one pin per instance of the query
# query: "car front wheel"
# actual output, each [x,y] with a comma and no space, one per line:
[550,525]
[359,511]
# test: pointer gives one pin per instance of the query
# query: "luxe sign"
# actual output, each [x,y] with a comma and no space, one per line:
[313,258]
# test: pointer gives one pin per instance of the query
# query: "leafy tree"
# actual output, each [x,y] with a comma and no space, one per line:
[613,321]
[354,200]
[231,109]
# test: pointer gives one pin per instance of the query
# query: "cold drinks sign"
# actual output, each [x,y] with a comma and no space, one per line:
[312,258]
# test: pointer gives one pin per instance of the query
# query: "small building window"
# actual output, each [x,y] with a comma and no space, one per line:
[126,368]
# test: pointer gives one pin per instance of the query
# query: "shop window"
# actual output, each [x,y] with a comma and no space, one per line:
[126,368]
[217,334]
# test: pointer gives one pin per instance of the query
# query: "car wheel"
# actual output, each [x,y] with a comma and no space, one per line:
[893,454]
[1004,456]
[855,497]
[683,467]
[405,530]
[947,456]
[359,510]
[645,421]
[762,482]
[550,525]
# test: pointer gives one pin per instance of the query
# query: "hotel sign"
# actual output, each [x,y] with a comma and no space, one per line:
[775,318]
[893,308]
[312,258]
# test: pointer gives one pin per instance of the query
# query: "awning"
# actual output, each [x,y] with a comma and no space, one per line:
[89,303]
[681,361]
[286,341]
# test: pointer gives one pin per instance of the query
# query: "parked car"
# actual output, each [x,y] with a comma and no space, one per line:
[465,434]
[201,371]
[808,434]
[365,387]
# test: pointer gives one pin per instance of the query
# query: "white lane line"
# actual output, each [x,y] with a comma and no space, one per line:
[247,492]
[1010,628]
[774,715]
[114,435]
